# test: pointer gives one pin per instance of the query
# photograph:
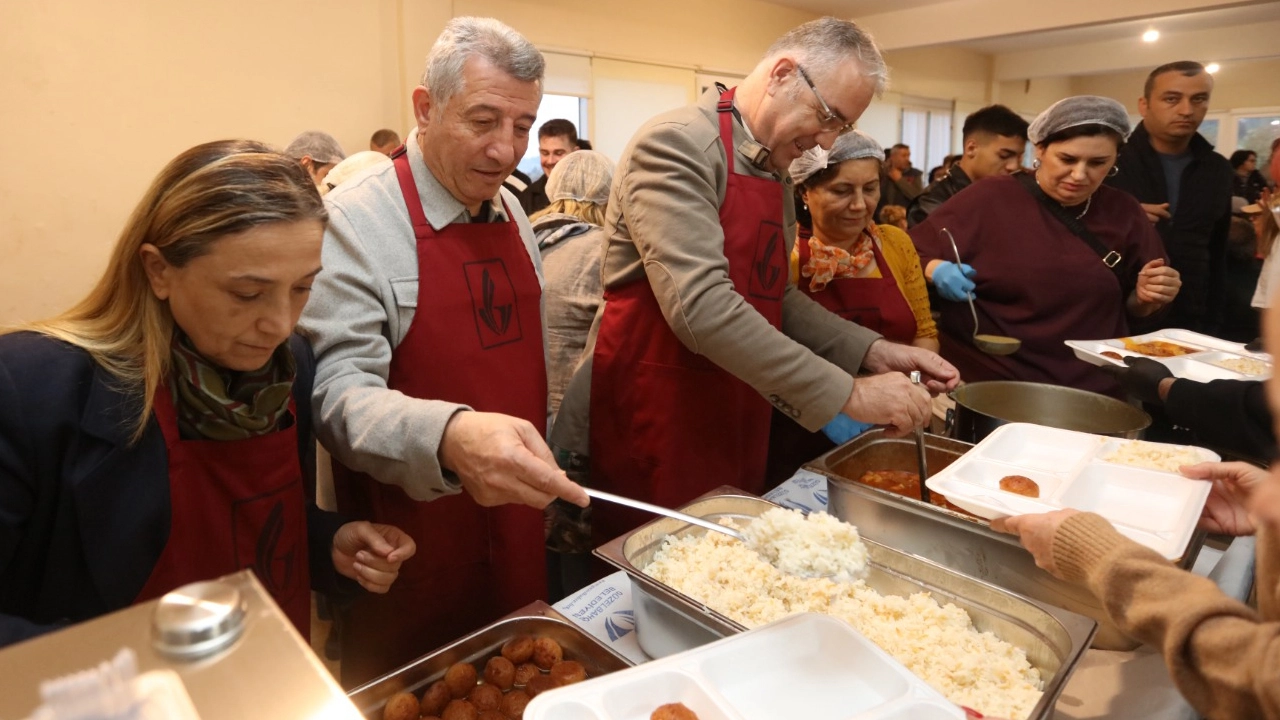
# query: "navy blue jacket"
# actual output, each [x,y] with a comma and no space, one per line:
[84,516]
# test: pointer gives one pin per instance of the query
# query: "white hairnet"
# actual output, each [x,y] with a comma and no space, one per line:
[1079,110]
[582,175]
[853,145]
[320,146]
[344,170]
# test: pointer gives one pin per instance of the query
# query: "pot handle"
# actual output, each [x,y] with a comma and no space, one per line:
[950,423]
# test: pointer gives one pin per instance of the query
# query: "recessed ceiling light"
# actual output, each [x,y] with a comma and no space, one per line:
[1275,122]
[1212,68]
[1151,36]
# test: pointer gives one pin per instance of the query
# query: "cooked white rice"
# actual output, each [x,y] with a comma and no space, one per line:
[936,642]
[819,545]
[1156,456]
[1244,366]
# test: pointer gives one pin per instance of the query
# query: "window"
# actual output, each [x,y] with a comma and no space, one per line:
[1256,133]
[569,107]
[927,131]
[1209,129]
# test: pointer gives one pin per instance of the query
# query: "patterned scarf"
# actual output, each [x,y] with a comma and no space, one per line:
[828,262]
[214,403]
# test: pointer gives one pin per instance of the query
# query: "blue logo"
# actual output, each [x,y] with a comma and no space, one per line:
[796,505]
[620,624]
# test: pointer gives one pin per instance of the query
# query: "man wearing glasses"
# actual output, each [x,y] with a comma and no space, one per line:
[701,330]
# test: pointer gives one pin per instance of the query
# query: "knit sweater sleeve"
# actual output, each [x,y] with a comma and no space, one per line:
[904,263]
[1223,657]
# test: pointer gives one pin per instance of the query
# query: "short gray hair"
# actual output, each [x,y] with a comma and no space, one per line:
[465,37]
[825,43]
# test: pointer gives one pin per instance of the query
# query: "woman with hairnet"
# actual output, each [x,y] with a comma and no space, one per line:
[863,272]
[1048,256]
[571,237]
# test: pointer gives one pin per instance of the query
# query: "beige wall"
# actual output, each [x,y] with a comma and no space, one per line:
[1239,84]
[98,96]
[1032,96]
[943,73]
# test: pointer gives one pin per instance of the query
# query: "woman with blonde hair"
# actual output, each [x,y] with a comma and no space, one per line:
[570,233]
[158,432]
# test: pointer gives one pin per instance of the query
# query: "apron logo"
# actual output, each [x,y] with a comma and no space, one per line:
[266,538]
[274,572]
[767,278]
[493,299]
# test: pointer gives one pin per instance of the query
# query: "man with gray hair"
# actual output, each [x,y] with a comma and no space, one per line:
[431,381]
[318,152]
[701,329]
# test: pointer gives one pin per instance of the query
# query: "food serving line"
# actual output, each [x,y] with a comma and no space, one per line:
[227,650]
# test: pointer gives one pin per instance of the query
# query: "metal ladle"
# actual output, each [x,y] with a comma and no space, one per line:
[925,495]
[989,344]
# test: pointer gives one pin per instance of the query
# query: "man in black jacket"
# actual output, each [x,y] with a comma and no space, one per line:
[994,139]
[1185,187]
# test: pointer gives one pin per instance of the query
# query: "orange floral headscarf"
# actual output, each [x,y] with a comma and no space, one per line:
[828,262]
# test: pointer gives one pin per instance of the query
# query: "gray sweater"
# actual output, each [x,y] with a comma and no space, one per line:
[361,307]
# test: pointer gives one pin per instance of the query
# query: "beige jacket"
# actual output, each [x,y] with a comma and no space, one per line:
[663,226]
[1223,655]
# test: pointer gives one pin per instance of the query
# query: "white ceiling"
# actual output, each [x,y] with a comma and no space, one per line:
[1168,25]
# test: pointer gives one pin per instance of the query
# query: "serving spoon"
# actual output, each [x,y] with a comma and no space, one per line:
[989,344]
[694,520]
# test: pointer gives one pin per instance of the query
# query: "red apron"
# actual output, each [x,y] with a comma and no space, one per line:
[668,425]
[475,339]
[235,504]
[874,303]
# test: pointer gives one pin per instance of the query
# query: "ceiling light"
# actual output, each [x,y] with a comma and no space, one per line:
[1212,68]
[1275,122]
[1151,36]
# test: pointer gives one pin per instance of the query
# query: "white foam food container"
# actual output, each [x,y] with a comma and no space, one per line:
[1156,508]
[1202,365]
[808,665]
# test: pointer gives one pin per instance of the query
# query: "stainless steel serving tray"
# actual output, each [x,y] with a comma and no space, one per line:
[964,543]
[1052,638]
[537,619]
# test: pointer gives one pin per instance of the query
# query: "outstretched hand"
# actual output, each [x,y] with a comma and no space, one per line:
[1227,509]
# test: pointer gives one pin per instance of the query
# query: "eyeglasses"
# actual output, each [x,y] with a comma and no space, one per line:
[828,119]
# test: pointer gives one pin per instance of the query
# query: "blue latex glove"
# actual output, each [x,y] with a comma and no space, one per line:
[954,282]
[844,428]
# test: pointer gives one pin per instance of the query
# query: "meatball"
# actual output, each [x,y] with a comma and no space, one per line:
[500,671]
[538,685]
[460,710]
[673,711]
[492,715]
[546,652]
[435,698]
[401,706]
[518,649]
[460,677]
[513,704]
[485,697]
[525,673]
[1020,485]
[568,672]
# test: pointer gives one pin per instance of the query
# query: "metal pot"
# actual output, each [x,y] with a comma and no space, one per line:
[982,407]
